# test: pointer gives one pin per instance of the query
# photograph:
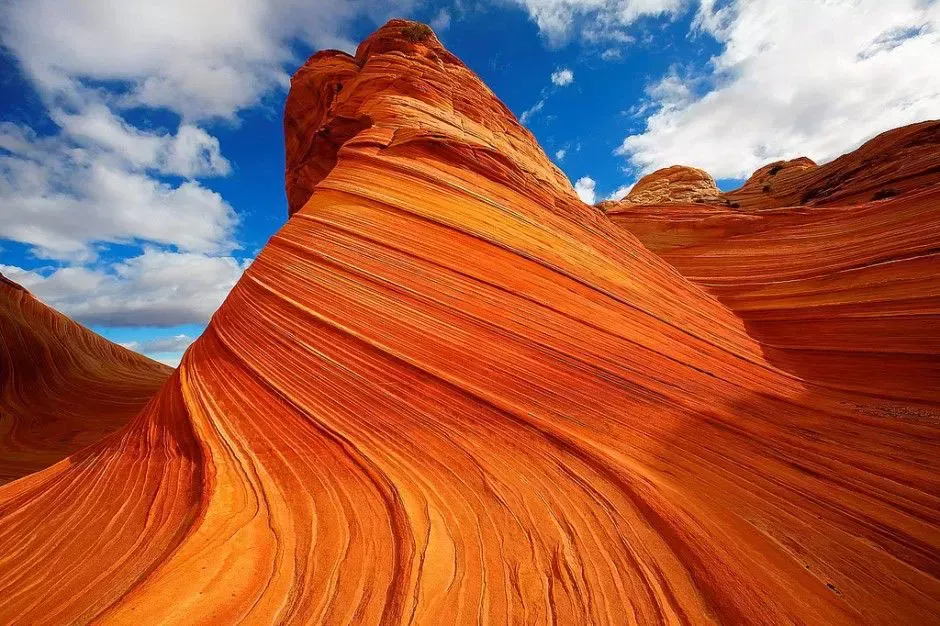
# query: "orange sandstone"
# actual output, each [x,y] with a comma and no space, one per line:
[62,387]
[838,294]
[891,164]
[678,183]
[449,392]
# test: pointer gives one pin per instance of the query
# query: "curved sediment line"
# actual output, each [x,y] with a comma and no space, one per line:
[62,387]
[448,392]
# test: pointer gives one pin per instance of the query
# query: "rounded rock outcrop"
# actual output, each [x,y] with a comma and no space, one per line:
[677,183]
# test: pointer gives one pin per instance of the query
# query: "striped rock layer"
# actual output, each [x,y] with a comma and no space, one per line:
[62,387]
[893,163]
[845,294]
[448,392]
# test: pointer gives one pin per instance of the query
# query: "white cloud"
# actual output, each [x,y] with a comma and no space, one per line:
[611,54]
[156,288]
[803,77]
[63,198]
[192,152]
[175,343]
[562,77]
[620,192]
[166,350]
[528,113]
[205,58]
[671,92]
[98,180]
[560,154]
[559,78]
[594,20]
[441,21]
[585,189]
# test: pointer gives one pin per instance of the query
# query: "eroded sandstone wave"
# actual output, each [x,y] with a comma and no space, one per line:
[839,292]
[447,391]
[62,387]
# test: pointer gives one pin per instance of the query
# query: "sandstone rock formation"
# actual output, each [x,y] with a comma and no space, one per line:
[840,294]
[62,387]
[768,184]
[889,165]
[449,392]
[678,183]
[893,163]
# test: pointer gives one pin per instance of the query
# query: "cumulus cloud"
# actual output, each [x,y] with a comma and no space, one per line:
[64,197]
[208,58]
[594,21]
[560,154]
[585,189]
[672,92]
[166,350]
[156,288]
[175,343]
[191,152]
[562,77]
[803,77]
[620,192]
[98,180]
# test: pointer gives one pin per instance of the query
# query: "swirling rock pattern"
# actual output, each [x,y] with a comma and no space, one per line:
[448,392]
[844,295]
[62,387]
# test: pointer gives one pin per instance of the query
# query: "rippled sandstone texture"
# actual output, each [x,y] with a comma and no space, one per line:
[893,163]
[62,387]
[678,183]
[843,292]
[448,392]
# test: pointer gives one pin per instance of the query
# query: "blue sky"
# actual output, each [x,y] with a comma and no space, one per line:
[141,150]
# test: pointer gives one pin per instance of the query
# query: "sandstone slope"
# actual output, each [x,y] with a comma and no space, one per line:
[893,163]
[62,387]
[448,392]
[841,294]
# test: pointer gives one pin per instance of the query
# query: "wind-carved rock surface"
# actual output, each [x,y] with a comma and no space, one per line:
[678,183]
[449,392]
[895,162]
[892,164]
[843,294]
[62,387]
[774,184]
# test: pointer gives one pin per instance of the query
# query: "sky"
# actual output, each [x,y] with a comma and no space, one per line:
[141,148]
